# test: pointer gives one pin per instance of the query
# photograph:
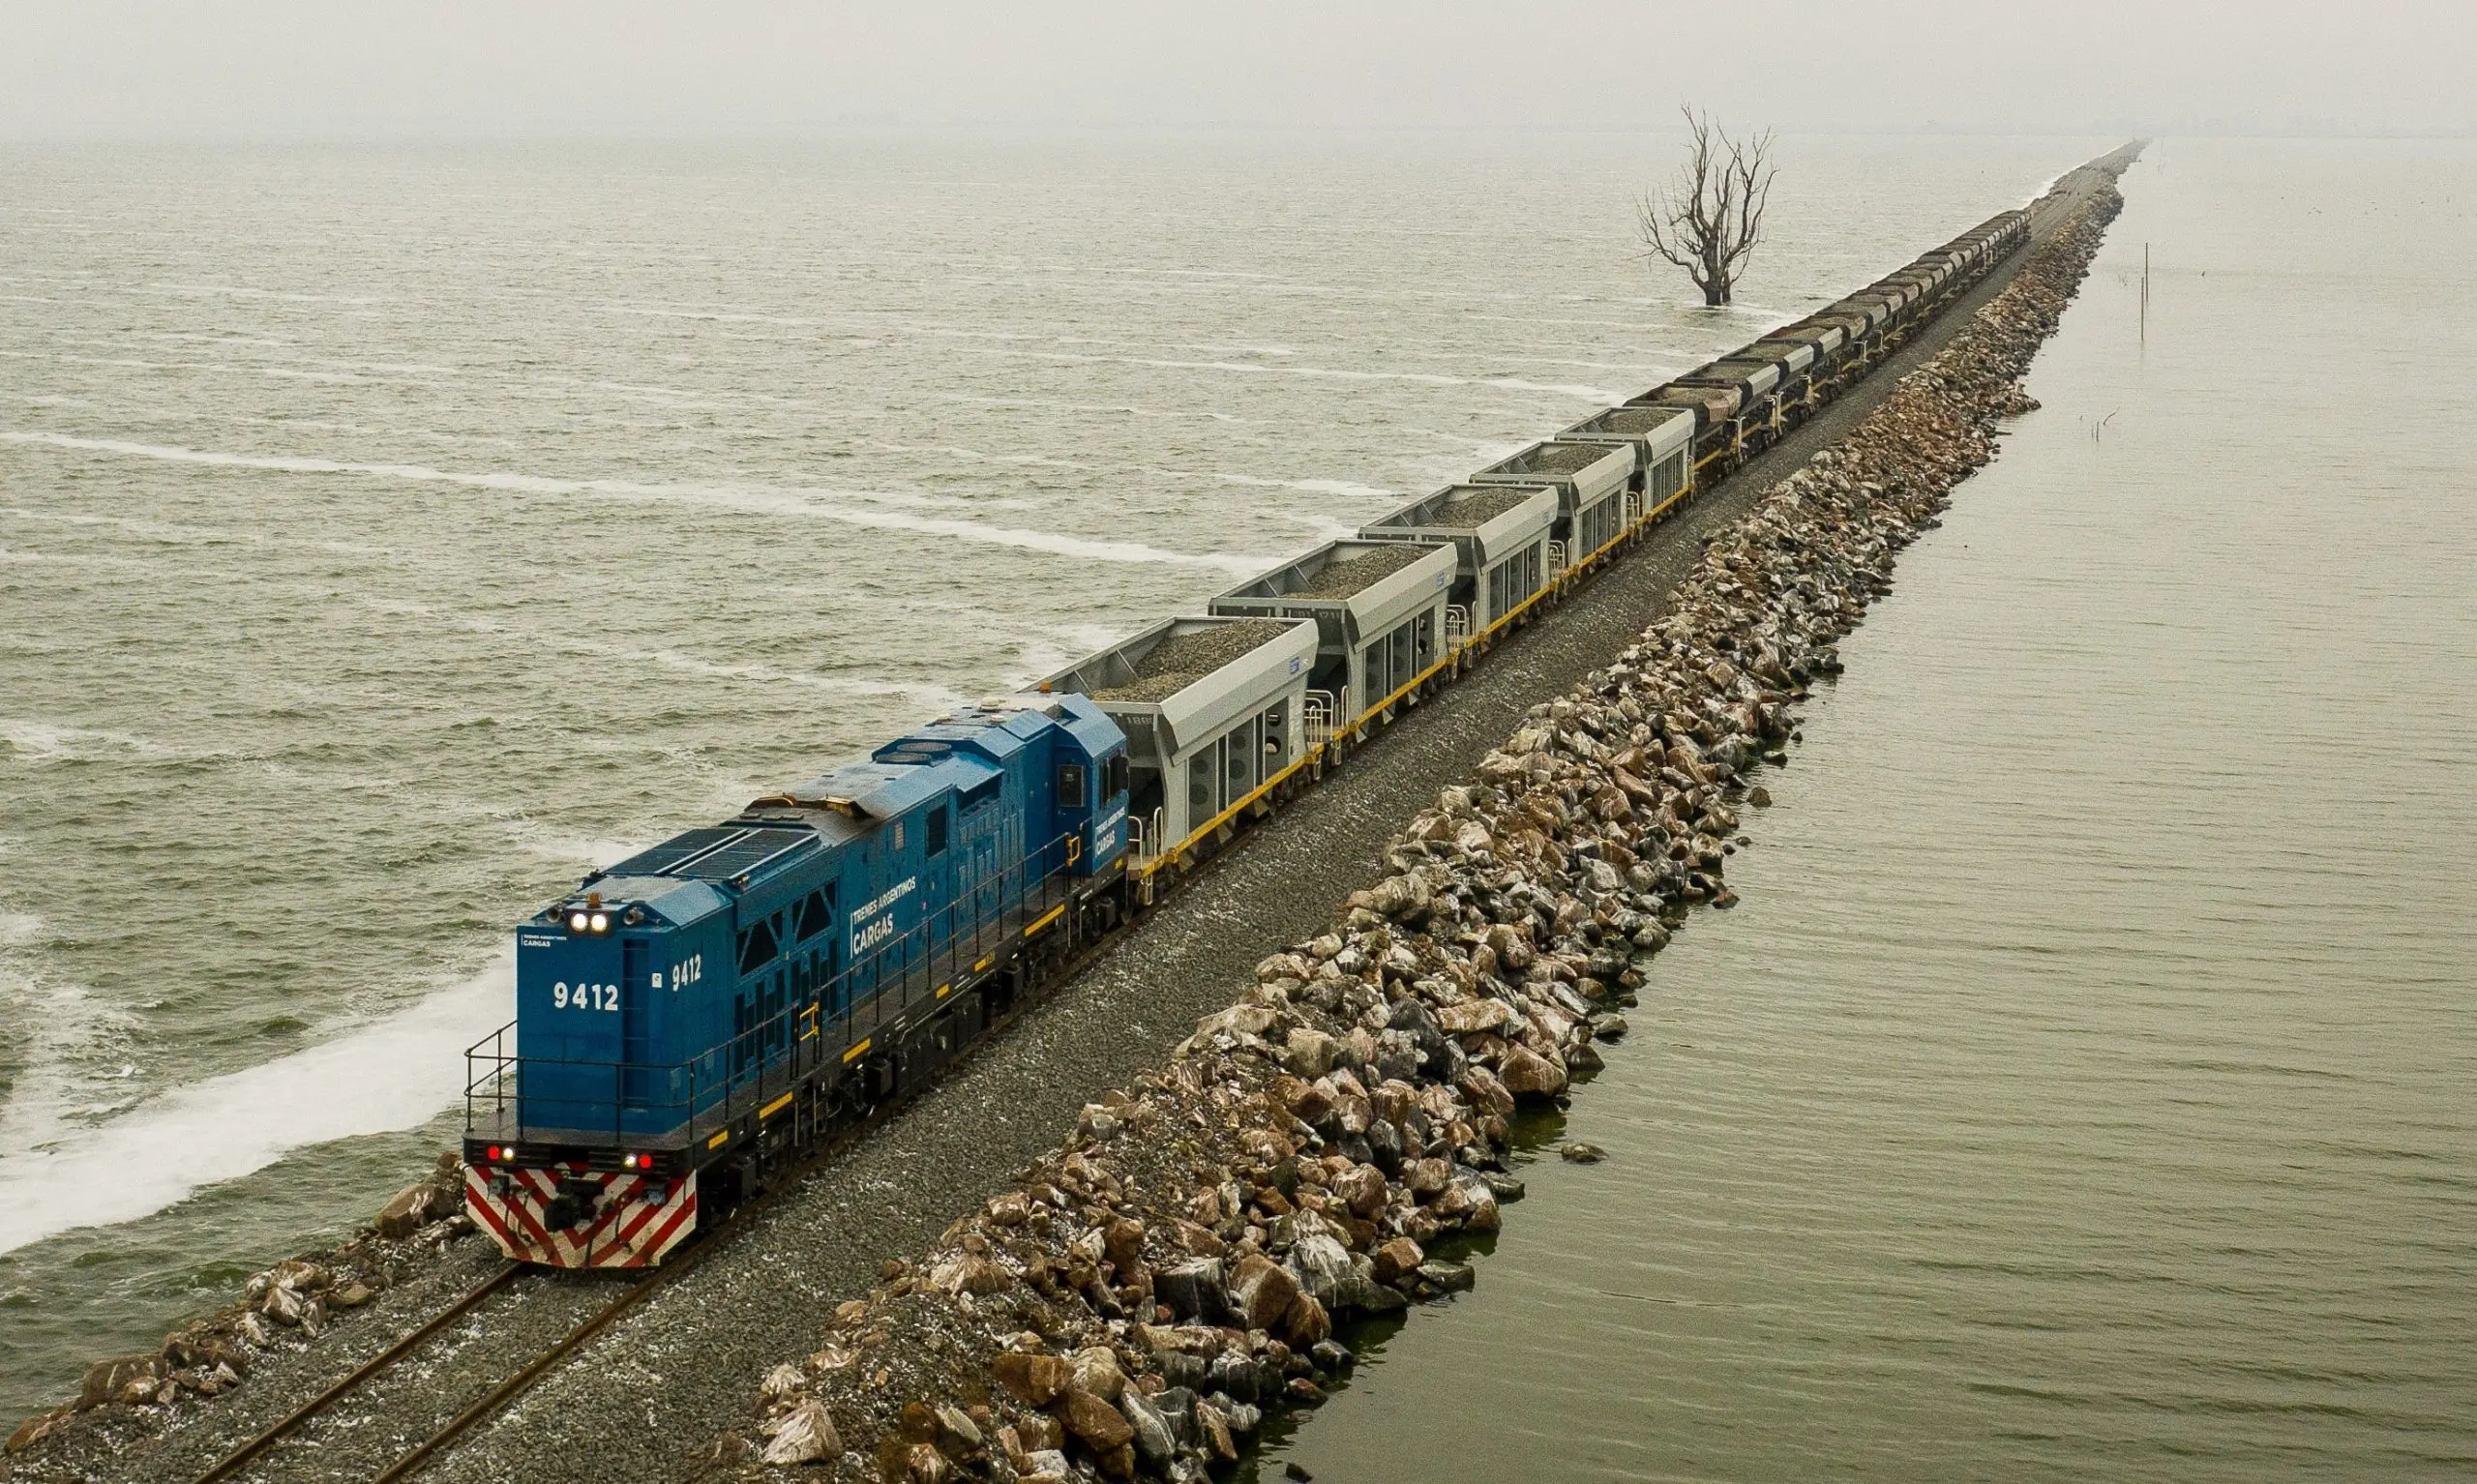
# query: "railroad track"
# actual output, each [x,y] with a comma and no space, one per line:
[515,1385]
[240,1458]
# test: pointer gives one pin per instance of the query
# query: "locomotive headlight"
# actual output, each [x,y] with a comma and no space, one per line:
[576,922]
[601,922]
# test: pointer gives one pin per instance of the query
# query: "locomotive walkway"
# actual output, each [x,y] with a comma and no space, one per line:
[638,1401]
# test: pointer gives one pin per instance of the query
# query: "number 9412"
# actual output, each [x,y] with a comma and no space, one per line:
[586,996]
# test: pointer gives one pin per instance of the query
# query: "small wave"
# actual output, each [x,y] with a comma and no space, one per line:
[1329,372]
[757,500]
[1343,487]
[17,556]
[590,851]
[1118,410]
[49,742]
[237,291]
[717,316]
[70,1042]
[166,531]
[186,338]
[927,694]
[981,455]
[385,1077]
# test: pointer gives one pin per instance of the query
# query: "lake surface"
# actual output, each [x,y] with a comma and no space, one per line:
[388,535]
[2087,1088]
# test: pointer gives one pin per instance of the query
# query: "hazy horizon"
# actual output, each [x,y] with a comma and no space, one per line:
[460,69]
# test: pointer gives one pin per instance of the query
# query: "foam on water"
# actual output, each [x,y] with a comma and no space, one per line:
[762,501]
[39,741]
[1323,372]
[394,1074]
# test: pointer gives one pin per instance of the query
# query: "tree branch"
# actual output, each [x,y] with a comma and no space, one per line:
[1710,220]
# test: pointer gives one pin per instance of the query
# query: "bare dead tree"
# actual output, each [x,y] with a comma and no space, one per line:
[1709,221]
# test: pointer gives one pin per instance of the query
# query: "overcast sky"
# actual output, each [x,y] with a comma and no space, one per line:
[687,66]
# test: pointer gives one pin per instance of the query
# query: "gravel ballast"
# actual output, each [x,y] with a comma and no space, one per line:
[646,1399]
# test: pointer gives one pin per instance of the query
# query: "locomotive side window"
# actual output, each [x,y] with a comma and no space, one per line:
[814,916]
[933,838]
[756,947]
[1118,769]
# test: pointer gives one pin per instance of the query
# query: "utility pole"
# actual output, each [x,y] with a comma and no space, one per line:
[2145,294]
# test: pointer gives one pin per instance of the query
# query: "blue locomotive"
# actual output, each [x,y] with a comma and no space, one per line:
[689,1018]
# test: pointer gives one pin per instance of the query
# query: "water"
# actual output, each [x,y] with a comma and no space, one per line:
[2084,1089]
[387,535]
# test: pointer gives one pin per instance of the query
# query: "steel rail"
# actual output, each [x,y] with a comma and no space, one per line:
[522,1381]
[241,1457]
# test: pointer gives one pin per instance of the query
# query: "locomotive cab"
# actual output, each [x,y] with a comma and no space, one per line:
[597,995]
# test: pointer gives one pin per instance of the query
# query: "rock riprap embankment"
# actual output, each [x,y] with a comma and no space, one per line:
[285,1307]
[1147,1290]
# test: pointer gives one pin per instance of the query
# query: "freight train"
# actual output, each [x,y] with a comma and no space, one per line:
[694,1019]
